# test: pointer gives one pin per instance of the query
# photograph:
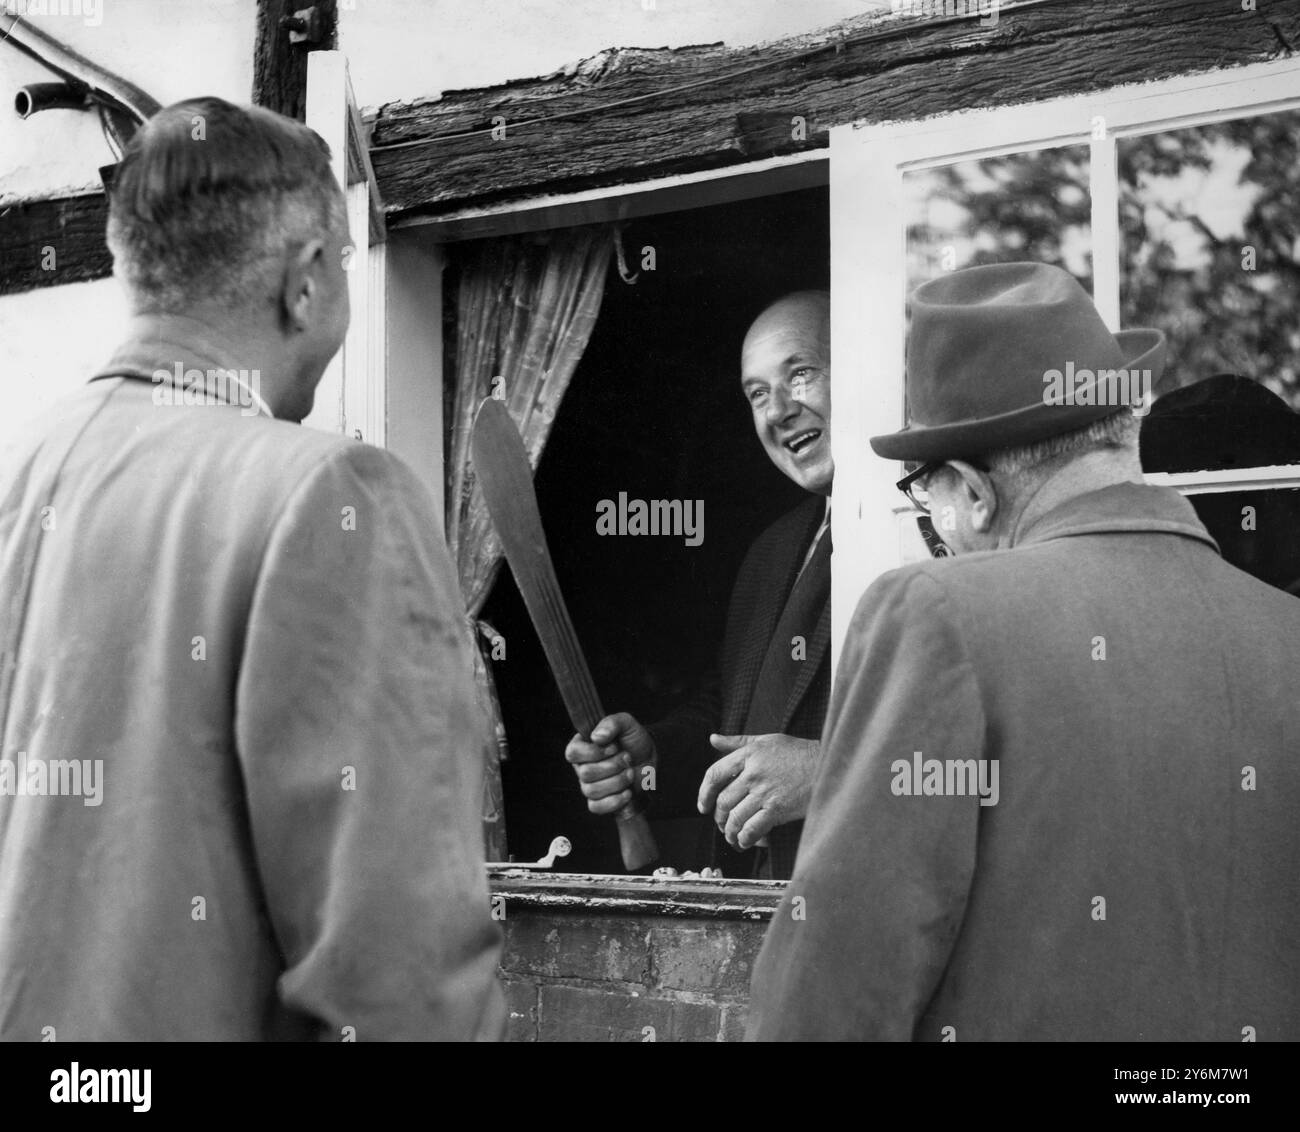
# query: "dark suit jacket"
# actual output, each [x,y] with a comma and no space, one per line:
[1137,878]
[758,598]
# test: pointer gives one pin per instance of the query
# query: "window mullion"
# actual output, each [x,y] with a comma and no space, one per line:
[1103,183]
[1229,479]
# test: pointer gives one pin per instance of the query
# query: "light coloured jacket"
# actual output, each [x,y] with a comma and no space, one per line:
[253,630]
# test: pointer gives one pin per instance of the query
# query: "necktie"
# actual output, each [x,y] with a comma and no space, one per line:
[783,662]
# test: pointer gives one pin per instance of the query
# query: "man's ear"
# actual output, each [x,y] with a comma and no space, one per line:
[980,493]
[301,286]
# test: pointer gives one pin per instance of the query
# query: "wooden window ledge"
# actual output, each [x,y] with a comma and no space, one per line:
[612,895]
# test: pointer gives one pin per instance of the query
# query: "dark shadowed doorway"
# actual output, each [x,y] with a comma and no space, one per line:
[655,411]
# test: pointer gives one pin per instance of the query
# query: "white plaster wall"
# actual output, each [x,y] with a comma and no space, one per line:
[406,49]
[51,340]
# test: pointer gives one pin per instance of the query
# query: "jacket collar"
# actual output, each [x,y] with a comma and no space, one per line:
[177,365]
[1124,508]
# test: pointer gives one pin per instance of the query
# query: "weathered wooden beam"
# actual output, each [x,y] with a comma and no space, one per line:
[46,243]
[632,115]
[280,63]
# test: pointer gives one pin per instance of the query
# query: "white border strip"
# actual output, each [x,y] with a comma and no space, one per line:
[1231,479]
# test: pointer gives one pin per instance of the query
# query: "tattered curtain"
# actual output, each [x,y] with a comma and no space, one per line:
[526,307]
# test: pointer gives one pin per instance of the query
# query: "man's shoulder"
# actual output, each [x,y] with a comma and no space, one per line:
[1001,585]
[269,449]
[284,447]
[949,588]
[119,433]
[292,459]
[948,575]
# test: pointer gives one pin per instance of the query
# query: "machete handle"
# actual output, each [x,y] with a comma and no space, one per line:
[635,840]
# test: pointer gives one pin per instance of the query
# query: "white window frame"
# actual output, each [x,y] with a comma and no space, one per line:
[868,273]
[352,394]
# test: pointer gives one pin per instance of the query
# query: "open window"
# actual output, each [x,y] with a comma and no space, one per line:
[1174,201]
[654,411]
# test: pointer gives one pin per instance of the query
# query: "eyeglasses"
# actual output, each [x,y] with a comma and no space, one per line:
[913,485]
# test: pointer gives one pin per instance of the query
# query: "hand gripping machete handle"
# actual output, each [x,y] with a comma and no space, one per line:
[506,479]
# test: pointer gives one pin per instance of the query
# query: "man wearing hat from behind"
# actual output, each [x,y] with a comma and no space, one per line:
[1059,780]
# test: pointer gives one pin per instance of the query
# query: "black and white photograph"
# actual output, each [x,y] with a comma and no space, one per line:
[438,604]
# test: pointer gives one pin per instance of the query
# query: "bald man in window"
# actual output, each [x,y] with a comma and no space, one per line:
[745,749]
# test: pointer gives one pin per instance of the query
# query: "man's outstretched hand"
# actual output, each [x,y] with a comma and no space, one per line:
[609,765]
[760,782]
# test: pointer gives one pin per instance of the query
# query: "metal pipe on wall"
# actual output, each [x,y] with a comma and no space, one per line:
[103,86]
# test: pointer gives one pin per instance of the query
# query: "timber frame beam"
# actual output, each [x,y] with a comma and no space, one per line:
[45,243]
[280,54]
[630,115]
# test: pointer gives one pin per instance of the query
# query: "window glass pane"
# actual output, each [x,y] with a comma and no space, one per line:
[1210,254]
[1022,206]
[1222,422]
[1258,531]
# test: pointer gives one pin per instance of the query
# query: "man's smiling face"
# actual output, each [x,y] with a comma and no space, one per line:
[786,377]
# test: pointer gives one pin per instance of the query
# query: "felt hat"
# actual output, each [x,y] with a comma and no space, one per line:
[1010,354]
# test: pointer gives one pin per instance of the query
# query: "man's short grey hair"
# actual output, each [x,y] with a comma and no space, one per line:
[208,198]
[1117,432]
